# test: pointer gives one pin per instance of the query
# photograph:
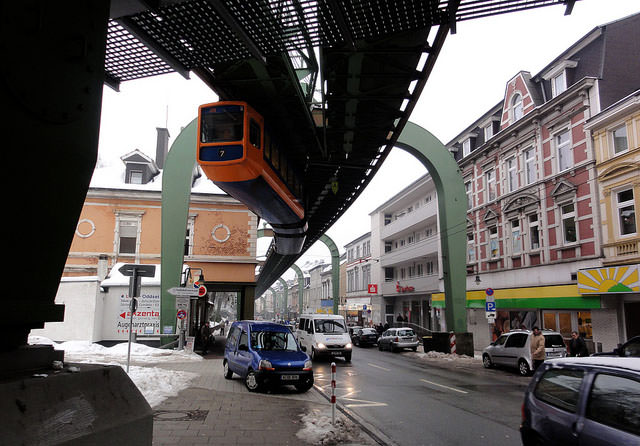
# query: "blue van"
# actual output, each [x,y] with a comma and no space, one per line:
[263,354]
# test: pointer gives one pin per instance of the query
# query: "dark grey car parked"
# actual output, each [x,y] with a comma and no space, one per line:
[583,401]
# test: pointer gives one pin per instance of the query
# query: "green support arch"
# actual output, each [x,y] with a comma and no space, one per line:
[176,194]
[335,270]
[285,293]
[298,271]
[452,210]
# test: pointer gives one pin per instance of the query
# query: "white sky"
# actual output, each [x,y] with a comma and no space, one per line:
[469,78]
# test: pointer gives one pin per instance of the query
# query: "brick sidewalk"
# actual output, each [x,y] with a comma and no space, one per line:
[214,410]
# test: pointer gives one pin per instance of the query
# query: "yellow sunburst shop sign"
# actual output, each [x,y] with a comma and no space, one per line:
[608,280]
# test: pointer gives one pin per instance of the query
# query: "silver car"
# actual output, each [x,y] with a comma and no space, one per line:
[513,349]
[396,339]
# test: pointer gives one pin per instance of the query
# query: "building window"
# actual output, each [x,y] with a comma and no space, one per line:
[490,180]
[494,245]
[563,145]
[387,219]
[388,246]
[389,274]
[626,212]
[558,84]
[512,173]
[358,252]
[135,177]
[356,277]
[516,241]
[466,147]
[516,108]
[420,268]
[127,236]
[430,268]
[488,132]
[530,165]
[620,142]
[568,215]
[534,232]
[469,191]
[471,248]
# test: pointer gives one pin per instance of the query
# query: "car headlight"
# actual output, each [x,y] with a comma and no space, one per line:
[348,345]
[321,345]
[265,365]
[308,365]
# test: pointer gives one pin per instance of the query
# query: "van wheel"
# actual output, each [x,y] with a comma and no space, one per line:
[251,381]
[347,357]
[314,355]
[486,361]
[227,372]
[523,368]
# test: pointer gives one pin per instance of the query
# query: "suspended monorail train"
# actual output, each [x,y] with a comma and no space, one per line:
[243,158]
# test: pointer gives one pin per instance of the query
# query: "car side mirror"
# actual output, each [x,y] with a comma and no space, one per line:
[243,347]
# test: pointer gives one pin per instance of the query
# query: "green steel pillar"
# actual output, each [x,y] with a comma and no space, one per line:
[285,294]
[335,270]
[176,192]
[300,285]
[452,211]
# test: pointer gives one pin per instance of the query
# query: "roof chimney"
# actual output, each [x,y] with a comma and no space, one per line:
[162,146]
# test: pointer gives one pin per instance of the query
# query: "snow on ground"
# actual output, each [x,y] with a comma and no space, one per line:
[447,357]
[154,383]
[318,430]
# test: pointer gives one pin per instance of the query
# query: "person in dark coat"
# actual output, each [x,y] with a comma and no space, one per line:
[205,335]
[577,346]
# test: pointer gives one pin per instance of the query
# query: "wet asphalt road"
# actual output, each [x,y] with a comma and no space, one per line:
[417,401]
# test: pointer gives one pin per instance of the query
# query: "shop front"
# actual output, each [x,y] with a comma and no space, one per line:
[561,308]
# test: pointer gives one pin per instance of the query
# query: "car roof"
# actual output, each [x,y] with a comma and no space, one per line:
[599,361]
[262,325]
[544,331]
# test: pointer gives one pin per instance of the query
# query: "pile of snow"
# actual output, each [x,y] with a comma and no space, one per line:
[154,383]
[318,430]
[445,356]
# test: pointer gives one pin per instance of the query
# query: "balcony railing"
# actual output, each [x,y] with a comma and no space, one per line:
[623,249]
[411,251]
[410,219]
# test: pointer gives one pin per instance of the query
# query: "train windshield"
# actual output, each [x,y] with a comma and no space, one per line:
[221,123]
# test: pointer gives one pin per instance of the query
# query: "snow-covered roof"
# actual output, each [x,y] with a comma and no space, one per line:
[116,278]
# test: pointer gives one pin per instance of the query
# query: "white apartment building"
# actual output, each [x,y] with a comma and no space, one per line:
[405,246]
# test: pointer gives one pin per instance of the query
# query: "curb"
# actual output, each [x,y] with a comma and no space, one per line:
[374,433]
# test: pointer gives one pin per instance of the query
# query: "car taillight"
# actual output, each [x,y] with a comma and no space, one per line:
[397,339]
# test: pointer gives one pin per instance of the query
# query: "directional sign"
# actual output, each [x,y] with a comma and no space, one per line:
[183,291]
[141,270]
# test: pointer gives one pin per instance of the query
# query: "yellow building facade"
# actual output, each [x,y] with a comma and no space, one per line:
[615,135]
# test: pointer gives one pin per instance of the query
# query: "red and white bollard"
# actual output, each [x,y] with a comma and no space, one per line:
[452,342]
[333,393]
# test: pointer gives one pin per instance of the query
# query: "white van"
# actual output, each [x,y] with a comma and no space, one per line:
[324,335]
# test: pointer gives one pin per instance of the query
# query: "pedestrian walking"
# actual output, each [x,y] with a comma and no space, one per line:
[577,346]
[205,335]
[537,348]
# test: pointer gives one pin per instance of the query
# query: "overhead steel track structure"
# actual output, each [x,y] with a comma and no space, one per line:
[341,115]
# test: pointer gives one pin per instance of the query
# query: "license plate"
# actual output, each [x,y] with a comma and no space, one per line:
[290,377]
[336,353]
[553,355]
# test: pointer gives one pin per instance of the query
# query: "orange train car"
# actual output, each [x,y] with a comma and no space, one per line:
[237,152]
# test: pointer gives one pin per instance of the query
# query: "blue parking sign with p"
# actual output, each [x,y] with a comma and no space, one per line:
[490,306]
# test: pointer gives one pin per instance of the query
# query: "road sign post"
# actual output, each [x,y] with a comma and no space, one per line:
[490,305]
[135,273]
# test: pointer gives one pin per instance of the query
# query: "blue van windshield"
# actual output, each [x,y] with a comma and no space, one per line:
[273,341]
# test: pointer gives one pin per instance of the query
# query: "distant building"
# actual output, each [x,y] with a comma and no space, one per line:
[121,223]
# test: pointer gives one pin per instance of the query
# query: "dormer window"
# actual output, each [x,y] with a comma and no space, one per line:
[488,131]
[466,147]
[516,108]
[558,84]
[135,177]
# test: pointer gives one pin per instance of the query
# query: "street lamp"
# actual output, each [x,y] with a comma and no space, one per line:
[478,279]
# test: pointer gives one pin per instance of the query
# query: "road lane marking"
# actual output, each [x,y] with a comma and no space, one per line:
[378,367]
[441,385]
[362,403]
